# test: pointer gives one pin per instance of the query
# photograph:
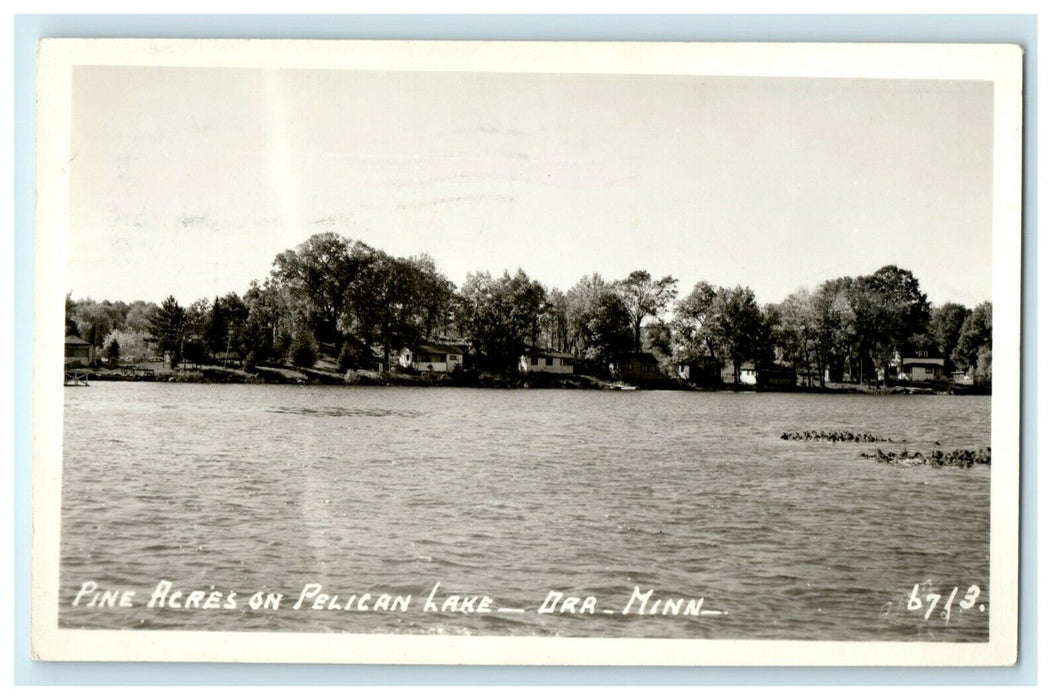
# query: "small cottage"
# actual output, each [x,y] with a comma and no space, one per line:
[702,373]
[546,361]
[78,352]
[431,357]
[923,369]
[775,376]
[639,367]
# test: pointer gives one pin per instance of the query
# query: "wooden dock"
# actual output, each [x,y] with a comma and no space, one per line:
[72,378]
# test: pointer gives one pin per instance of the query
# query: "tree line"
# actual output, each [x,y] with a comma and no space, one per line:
[360,305]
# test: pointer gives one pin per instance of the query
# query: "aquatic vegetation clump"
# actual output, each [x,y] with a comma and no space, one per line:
[961,459]
[833,436]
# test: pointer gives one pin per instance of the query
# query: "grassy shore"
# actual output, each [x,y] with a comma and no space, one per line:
[326,372]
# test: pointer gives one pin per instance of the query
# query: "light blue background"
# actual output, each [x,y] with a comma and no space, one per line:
[1019,29]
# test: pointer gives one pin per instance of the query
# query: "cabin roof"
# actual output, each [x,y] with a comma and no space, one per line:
[539,352]
[74,340]
[923,362]
[438,348]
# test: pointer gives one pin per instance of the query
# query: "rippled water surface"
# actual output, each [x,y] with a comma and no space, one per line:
[373,492]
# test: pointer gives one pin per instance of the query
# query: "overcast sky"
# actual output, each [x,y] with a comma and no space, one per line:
[189,181]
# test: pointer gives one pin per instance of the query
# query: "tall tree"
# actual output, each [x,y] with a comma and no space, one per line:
[695,327]
[834,320]
[599,323]
[263,321]
[741,328]
[974,351]
[71,313]
[137,319]
[555,322]
[166,329]
[890,309]
[318,274]
[946,325]
[500,316]
[225,320]
[797,333]
[644,296]
[431,297]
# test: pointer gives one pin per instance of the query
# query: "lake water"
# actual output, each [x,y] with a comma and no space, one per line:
[380,493]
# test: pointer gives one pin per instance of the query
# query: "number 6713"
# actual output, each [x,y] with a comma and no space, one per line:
[931,600]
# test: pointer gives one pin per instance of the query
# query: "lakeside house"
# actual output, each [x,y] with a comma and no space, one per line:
[78,352]
[923,369]
[776,376]
[638,367]
[431,357]
[702,373]
[546,361]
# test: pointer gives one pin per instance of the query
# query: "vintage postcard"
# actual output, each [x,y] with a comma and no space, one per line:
[527,353]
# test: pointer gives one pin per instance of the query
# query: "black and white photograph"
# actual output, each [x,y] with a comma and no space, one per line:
[527,353]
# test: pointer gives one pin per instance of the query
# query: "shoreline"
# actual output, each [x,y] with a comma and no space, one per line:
[275,374]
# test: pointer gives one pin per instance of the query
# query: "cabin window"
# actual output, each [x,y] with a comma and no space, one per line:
[454,358]
[548,361]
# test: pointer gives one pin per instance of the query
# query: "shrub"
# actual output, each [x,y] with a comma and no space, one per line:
[113,352]
[195,351]
[131,344]
[347,358]
[303,350]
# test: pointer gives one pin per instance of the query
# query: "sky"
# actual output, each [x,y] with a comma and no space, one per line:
[189,181]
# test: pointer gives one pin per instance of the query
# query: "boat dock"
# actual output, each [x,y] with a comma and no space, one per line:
[74,378]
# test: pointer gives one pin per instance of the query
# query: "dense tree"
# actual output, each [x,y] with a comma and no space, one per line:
[890,309]
[398,301]
[658,340]
[318,274]
[198,315]
[714,324]
[946,325]
[139,316]
[812,330]
[94,320]
[499,317]
[71,311]
[741,329]
[599,323]
[268,324]
[555,321]
[644,296]
[432,296]
[131,344]
[113,350]
[834,320]
[195,350]
[695,327]
[350,300]
[303,350]
[224,323]
[797,333]
[974,350]
[166,329]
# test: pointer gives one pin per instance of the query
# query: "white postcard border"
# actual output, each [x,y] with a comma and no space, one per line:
[999,64]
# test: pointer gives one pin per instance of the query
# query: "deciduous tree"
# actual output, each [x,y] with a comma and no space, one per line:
[644,296]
